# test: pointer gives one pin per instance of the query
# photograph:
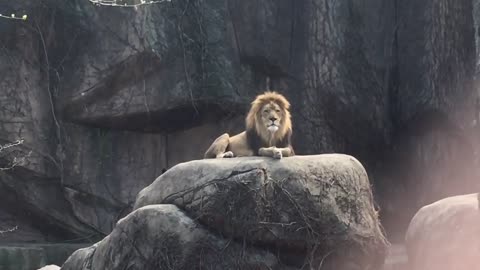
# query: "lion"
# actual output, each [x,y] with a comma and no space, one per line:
[268,131]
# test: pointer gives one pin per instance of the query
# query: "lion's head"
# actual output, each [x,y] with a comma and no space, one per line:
[269,116]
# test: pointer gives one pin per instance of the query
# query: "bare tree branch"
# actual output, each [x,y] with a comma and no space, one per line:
[14,17]
[117,3]
[8,230]
[16,160]
[9,145]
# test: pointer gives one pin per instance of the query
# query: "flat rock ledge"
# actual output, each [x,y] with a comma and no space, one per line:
[248,213]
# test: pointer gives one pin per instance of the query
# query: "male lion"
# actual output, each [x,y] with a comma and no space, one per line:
[268,131]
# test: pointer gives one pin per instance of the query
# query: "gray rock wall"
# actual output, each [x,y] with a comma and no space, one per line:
[106,98]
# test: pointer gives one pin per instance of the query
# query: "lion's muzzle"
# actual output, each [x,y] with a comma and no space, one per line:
[272,128]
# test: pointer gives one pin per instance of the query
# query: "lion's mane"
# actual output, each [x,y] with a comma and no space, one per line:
[257,131]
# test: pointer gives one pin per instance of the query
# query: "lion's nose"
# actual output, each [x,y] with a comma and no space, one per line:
[273,119]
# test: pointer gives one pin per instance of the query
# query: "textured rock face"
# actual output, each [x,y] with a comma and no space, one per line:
[443,235]
[32,256]
[316,207]
[106,98]
[166,63]
[432,112]
[163,237]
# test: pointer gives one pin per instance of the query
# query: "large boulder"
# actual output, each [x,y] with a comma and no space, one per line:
[445,235]
[311,209]
[163,237]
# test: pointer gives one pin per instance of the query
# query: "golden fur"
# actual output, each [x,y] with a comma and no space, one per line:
[268,131]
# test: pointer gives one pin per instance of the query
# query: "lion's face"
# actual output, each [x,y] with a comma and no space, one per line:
[271,115]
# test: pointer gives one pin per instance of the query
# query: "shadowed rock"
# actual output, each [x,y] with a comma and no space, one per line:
[163,237]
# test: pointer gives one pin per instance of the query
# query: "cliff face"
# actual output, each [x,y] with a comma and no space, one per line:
[105,98]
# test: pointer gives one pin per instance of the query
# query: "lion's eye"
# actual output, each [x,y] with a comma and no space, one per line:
[277,110]
[266,111]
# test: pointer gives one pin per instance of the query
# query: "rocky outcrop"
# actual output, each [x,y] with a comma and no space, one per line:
[31,256]
[309,210]
[163,237]
[432,112]
[443,235]
[146,75]
[105,98]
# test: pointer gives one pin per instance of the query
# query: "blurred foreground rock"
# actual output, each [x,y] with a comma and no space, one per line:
[445,235]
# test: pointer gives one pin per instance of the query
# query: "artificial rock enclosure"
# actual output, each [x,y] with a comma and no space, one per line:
[106,99]
[248,213]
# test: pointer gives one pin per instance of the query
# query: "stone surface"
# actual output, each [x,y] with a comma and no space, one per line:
[35,256]
[397,258]
[431,112]
[106,98]
[163,237]
[444,235]
[21,258]
[18,230]
[320,206]
[168,62]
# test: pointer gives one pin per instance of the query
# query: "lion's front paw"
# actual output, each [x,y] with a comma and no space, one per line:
[228,154]
[277,154]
